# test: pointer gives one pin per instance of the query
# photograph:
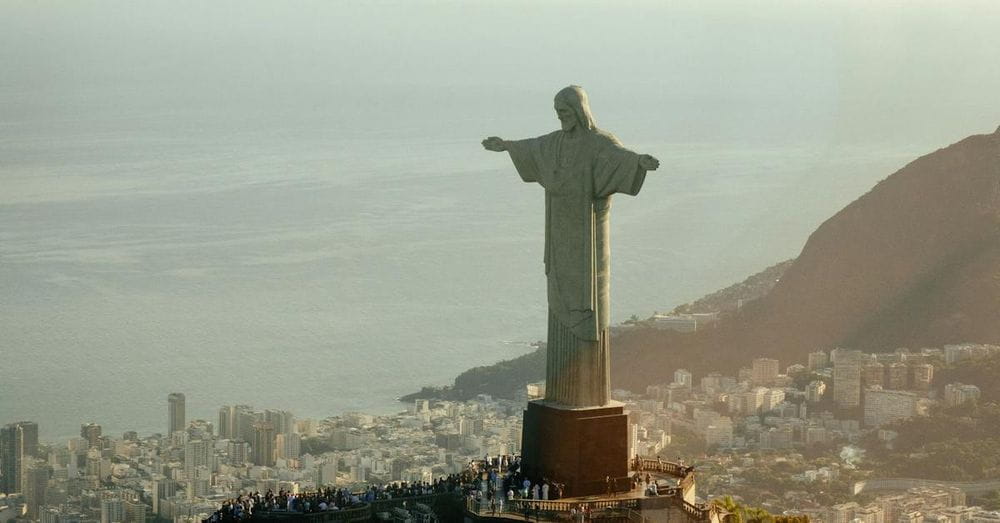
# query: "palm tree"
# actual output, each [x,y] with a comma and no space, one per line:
[738,513]
[734,511]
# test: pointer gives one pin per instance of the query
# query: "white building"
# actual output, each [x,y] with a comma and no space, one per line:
[958,393]
[818,360]
[720,433]
[764,371]
[683,377]
[112,510]
[886,406]
[847,379]
[815,391]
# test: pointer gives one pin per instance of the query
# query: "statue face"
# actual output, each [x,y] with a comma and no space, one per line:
[566,116]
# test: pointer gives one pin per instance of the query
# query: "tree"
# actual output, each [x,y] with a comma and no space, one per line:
[739,513]
[992,501]
[734,509]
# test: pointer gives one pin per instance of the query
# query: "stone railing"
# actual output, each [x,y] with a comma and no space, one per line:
[547,510]
[699,512]
[686,480]
[664,467]
[518,505]
[629,509]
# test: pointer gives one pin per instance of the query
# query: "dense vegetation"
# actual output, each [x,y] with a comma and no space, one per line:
[959,443]
[956,444]
[981,373]
[725,300]
[506,379]
[740,513]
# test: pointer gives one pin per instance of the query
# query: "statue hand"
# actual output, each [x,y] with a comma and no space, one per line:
[495,143]
[648,163]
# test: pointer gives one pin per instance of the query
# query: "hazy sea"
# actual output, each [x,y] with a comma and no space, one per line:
[287,205]
[319,267]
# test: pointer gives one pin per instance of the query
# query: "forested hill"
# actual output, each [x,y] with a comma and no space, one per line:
[915,263]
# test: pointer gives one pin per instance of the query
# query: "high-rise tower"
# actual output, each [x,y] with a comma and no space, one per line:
[34,484]
[18,445]
[27,438]
[9,462]
[175,412]
[197,453]
[92,433]
[847,379]
[263,444]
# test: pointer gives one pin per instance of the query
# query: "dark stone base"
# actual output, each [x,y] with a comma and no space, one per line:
[579,447]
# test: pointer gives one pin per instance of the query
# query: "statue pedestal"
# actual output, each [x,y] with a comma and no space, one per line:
[577,446]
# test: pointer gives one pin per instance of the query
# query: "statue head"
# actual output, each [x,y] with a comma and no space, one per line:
[573,109]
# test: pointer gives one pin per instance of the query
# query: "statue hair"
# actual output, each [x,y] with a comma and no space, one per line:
[575,97]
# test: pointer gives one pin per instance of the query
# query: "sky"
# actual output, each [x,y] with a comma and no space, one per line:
[827,70]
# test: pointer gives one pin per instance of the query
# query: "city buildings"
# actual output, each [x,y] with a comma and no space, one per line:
[923,375]
[815,391]
[818,360]
[181,476]
[873,374]
[958,393]
[765,371]
[92,433]
[683,377]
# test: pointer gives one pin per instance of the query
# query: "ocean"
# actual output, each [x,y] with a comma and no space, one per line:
[290,207]
[320,273]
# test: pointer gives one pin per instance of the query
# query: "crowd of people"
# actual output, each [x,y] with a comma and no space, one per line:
[489,483]
[501,480]
[247,506]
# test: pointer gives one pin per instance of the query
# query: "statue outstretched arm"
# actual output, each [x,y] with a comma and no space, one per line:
[648,163]
[495,144]
[524,153]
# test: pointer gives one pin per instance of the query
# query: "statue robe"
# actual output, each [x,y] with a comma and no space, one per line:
[578,181]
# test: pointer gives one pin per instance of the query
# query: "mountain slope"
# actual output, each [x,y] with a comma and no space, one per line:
[914,262]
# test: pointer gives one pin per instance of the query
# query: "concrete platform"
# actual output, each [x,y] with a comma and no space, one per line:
[578,447]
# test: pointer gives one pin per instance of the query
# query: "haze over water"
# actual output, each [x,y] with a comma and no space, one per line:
[287,205]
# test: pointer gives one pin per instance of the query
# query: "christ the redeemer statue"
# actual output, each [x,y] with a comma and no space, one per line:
[580,167]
